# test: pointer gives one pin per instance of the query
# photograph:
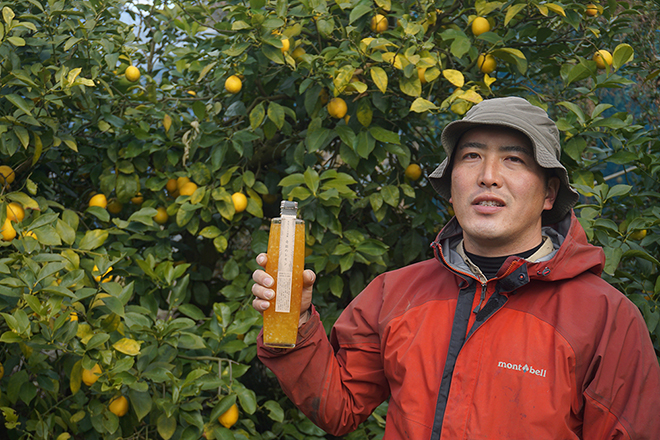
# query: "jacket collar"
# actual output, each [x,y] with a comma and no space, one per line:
[571,256]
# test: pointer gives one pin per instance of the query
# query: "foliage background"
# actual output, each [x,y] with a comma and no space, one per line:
[173,329]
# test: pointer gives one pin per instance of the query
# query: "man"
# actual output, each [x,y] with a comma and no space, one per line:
[509,333]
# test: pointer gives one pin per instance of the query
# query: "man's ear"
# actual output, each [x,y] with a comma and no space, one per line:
[551,193]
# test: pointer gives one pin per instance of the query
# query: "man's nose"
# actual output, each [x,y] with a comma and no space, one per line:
[491,174]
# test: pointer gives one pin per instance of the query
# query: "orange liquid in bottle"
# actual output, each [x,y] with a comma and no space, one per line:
[281,327]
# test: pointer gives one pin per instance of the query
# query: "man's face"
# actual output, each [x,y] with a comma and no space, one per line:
[499,192]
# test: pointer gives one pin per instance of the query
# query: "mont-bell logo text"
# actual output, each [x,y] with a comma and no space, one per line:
[524,368]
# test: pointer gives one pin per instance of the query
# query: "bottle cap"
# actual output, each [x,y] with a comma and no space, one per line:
[288,208]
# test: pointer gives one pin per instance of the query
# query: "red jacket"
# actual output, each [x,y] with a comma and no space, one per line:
[554,353]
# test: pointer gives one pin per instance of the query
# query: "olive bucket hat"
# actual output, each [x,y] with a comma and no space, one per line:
[519,114]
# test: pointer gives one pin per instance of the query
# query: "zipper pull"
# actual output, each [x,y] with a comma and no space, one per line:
[484,287]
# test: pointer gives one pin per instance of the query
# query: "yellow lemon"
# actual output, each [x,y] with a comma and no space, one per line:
[119,406]
[115,207]
[132,73]
[73,316]
[8,231]
[240,201]
[229,417]
[180,181]
[233,84]
[170,186]
[2,370]
[378,23]
[592,10]
[337,108]
[479,26]
[15,212]
[30,234]
[413,171]
[89,377]
[298,53]
[97,278]
[7,175]
[137,199]
[638,235]
[161,216]
[603,59]
[286,44]
[98,200]
[187,189]
[486,63]
[421,74]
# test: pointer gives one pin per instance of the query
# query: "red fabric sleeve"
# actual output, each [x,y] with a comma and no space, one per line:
[622,396]
[336,385]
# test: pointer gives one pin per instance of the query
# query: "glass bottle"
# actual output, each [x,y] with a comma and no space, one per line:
[286,262]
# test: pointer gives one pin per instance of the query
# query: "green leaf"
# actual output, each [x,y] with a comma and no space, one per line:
[222,406]
[421,105]
[257,116]
[618,190]
[512,11]
[316,137]
[276,114]
[383,135]
[357,12]
[612,259]
[166,426]
[99,213]
[18,101]
[16,41]
[93,239]
[364,112]
[365,144]
[127,346]
[390,195]
[97,340]
[192,312]
[23,199]
[22,135]
[220,243]
[183,215]
[144,216]
[346,134]
[575,109]
[247,398]
[275,411]
[210,232]
[623,53]
[379,77]
[66,232]
[410,86]
[141,403]
[237,49]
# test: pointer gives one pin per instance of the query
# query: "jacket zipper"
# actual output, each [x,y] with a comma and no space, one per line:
[484,288]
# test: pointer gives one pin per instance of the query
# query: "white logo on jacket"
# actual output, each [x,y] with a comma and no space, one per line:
[524,368]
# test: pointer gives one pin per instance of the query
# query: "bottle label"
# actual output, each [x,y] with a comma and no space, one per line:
[285,264]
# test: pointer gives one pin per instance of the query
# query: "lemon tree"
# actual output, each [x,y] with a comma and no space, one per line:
[146,146]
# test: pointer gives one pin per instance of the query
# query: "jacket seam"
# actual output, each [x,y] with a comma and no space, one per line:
[592,396]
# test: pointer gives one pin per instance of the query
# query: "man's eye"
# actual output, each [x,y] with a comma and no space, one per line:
[516,159]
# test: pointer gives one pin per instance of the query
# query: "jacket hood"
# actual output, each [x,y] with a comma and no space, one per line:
[572,254]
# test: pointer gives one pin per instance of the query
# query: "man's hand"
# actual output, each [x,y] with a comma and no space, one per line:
[263,292]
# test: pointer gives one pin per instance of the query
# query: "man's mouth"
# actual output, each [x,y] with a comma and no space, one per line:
[489,203]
